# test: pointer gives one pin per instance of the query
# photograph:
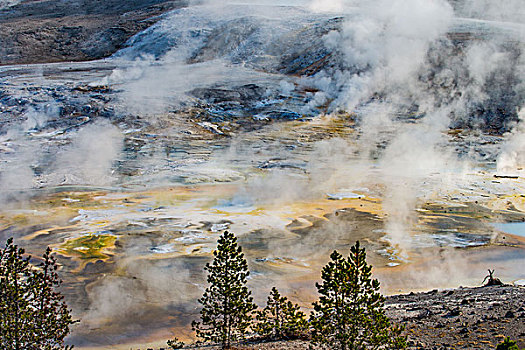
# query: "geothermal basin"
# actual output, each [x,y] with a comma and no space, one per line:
[301,128]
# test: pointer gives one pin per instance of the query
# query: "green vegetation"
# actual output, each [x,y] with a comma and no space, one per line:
[33,314]
[175,343]
[280,319]
[350,312]
[227,303]
[507,344]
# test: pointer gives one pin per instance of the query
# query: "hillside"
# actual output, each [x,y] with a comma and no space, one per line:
[54,31]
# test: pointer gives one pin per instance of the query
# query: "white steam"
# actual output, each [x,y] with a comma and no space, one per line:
[150,87]
[146,284]
[395,67]
[414,166]
[497,10]
[327,5]
[512,158]
[89,158]
[385,49]
[388,47]
[85,158]
[385,46]
[21,153]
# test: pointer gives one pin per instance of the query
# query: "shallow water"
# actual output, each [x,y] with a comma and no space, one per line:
[514,228]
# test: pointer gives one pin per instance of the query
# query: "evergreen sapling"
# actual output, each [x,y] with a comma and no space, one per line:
[350,312]
[33,315]
[280,319]
[227,303]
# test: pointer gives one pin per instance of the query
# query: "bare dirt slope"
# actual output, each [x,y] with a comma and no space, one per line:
[75,30]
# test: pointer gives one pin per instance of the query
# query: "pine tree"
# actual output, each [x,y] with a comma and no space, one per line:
[32,314]
[15,311]
[280,319]
[350,312]
[52,317]
[226,303]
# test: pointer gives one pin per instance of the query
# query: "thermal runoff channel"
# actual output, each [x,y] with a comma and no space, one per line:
[301,126]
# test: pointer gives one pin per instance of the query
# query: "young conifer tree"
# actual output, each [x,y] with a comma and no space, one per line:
[227,303]
[52,318]
[15,308]
[33,314]
[350,312]
[280,319]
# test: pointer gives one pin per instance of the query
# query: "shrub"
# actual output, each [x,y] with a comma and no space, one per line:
[175,343]
[507,344]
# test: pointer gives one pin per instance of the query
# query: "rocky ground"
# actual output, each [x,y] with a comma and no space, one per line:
[54,31]
[463,318]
